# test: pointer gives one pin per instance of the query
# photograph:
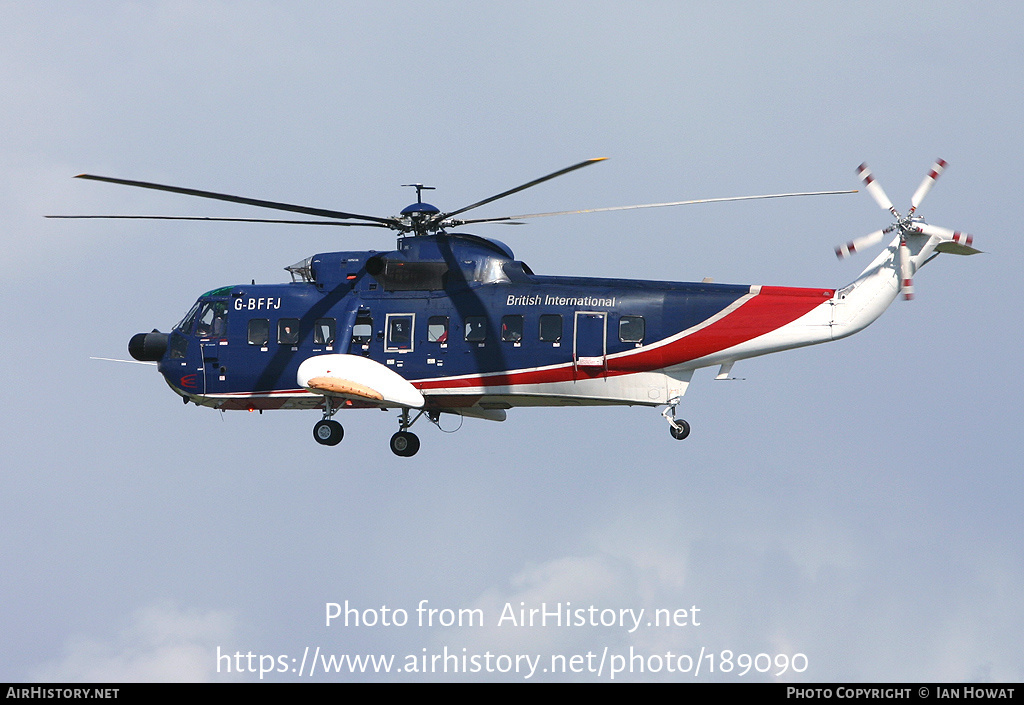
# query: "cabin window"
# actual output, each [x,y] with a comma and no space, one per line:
[631,329]
[259,331]
[437,329]
[399,332]
[288,331]
[512,328]
[323,333]
[362,331]
[551,327]
[476,329]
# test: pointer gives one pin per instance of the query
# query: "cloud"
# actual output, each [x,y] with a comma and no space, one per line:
[852,617]
[163,643]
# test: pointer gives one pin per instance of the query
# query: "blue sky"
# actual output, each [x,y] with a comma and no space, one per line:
[855,502]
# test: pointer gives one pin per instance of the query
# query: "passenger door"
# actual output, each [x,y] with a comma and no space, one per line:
[589,348]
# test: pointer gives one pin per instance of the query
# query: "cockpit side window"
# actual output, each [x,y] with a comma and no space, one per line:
[213,320]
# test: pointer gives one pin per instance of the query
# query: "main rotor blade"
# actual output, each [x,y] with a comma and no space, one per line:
[517,189]
[654,205]
[322,212]
[229,220]
[937,168]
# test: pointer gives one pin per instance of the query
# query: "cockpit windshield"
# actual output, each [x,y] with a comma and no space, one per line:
[185,325]
[210,319]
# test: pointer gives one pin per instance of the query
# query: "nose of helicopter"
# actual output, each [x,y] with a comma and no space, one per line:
[148,347]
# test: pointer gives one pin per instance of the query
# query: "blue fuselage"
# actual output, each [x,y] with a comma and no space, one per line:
[451,306]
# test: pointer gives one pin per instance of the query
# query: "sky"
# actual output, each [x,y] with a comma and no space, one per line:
[847,512]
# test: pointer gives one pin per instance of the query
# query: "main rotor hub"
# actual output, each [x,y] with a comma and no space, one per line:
[419,215]
[420,209]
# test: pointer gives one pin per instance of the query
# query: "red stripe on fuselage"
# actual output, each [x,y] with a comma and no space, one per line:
[772,308]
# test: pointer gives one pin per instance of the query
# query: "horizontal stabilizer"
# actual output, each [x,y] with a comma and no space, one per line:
[955,248]
[357,378]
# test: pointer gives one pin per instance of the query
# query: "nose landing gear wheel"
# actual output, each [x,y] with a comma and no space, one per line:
[405,444]
[681,430]
[328,433]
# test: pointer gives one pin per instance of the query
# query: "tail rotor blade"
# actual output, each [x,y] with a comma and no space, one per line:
[873,187]
[855,246]
[952,241]
[944,233]
[937,168]
[906,273]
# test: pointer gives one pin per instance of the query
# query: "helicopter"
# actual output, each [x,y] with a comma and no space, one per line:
[452,323]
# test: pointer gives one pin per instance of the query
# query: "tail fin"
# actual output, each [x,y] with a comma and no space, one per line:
[860,303]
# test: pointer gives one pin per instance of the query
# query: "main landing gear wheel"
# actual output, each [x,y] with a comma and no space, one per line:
[679,429]
[328,432]
[405,444]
